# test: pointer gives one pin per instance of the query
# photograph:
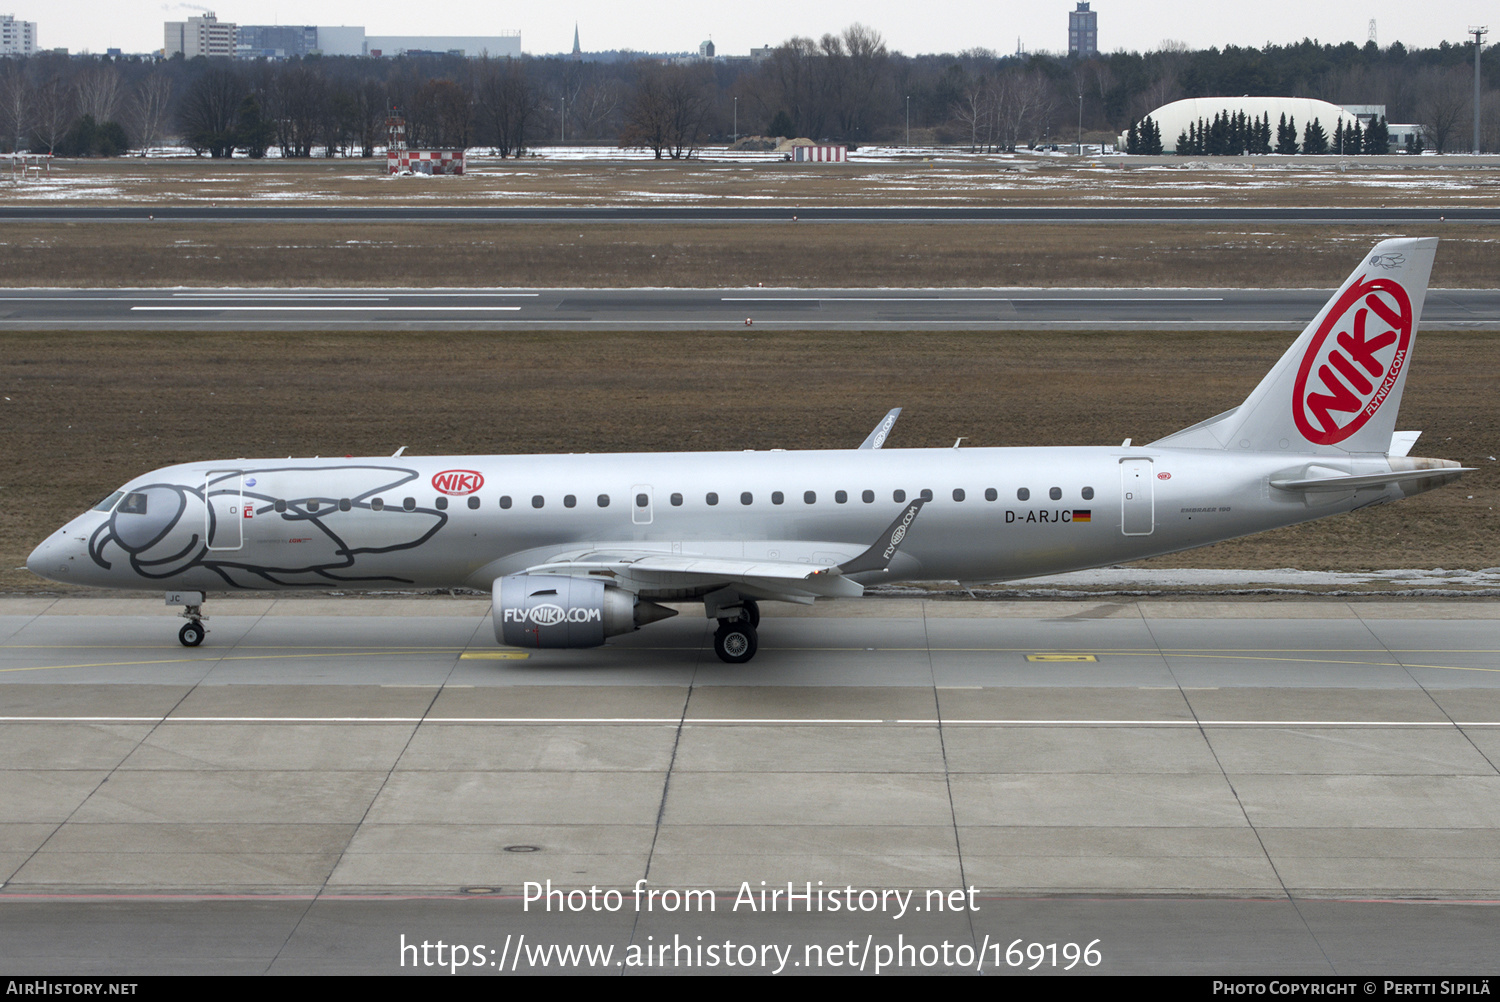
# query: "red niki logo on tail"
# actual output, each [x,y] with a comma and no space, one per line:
[457,482]
[1354,361]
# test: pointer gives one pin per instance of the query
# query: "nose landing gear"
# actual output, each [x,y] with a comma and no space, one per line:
[192,634]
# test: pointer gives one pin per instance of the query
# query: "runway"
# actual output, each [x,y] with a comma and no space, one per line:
[1206,213]
[1185,786]
[702,309]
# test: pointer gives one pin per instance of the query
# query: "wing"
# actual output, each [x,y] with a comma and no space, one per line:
[811,574]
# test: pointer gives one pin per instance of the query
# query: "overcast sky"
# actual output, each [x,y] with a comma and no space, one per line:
[679,25]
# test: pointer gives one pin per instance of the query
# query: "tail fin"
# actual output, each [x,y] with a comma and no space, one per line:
[1338,388]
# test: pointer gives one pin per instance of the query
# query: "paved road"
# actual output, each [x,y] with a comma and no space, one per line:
[706,309]
[750,214]
[1202,787]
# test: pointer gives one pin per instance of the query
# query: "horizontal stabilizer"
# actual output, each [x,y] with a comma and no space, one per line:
[1371,480]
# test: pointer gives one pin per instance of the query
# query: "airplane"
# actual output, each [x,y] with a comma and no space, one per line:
[576,549]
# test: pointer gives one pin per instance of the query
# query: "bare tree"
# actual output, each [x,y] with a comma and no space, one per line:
[1443,105]
[667,111]
[854,78]
[148,109]
[209,114]
[507,105]
[439,116]
[297,102]
[97,90]
[15,103]
[54,112]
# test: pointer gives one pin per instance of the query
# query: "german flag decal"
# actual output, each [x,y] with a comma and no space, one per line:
[1082,515]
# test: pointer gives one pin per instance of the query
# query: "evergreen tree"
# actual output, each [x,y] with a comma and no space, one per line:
[1314,139]
[1338,137]
[1286,136]
[1354,140]
[1378,138]
[1150,137]
[1132,140]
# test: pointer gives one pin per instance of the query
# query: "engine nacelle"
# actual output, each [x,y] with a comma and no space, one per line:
[554,610]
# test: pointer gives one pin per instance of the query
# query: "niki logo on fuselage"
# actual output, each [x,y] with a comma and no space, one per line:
[1353,362]
[457,482]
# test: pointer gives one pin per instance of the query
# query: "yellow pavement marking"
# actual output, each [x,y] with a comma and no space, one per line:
[1061,657]
[494,656]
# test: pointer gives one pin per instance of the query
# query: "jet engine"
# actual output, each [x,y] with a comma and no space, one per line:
[554,610]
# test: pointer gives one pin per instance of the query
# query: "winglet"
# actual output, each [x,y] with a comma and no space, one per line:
[877,437]
[878,556]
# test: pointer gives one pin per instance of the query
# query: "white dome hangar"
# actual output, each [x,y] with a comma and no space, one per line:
[1173,119]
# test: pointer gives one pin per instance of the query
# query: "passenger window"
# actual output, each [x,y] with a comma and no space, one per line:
[410,504]
[345,504]
[1055,494]
[868,497]
[570,501]
[376,504]
[441,504]
[990,494]
[603,500]
[842,497]
[537,501]
[1023,494]
[1088,494]
[958,493]
[505,500]
[312,504]
[711,498]
[280,505]
[926,494]
[473,502]
[642,501]
[777,497]
[898,496]
[747,498]
[676,500]
[809,497]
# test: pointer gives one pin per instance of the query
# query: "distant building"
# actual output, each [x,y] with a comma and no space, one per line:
[17,38]
[577,54]
[706,49]
[200,36]
[283,41]
[341,40]
[1173,119]
[505,45]
[763,53]
[275,41]
[1083,32]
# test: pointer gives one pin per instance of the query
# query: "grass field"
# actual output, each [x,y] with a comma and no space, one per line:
[925,179]
[713,255]
[85,412]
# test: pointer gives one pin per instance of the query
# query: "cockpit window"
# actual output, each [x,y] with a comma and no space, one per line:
[134,504]
[109,502]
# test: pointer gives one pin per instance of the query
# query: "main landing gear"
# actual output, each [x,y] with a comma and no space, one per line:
[192,634]
[735,641]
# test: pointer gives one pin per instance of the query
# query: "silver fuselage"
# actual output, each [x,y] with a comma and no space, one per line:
[427,533]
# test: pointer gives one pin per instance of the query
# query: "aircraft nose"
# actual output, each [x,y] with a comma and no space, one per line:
[39,558]
[51,560]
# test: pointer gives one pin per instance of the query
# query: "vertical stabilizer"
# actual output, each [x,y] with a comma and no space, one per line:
[1338,388]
